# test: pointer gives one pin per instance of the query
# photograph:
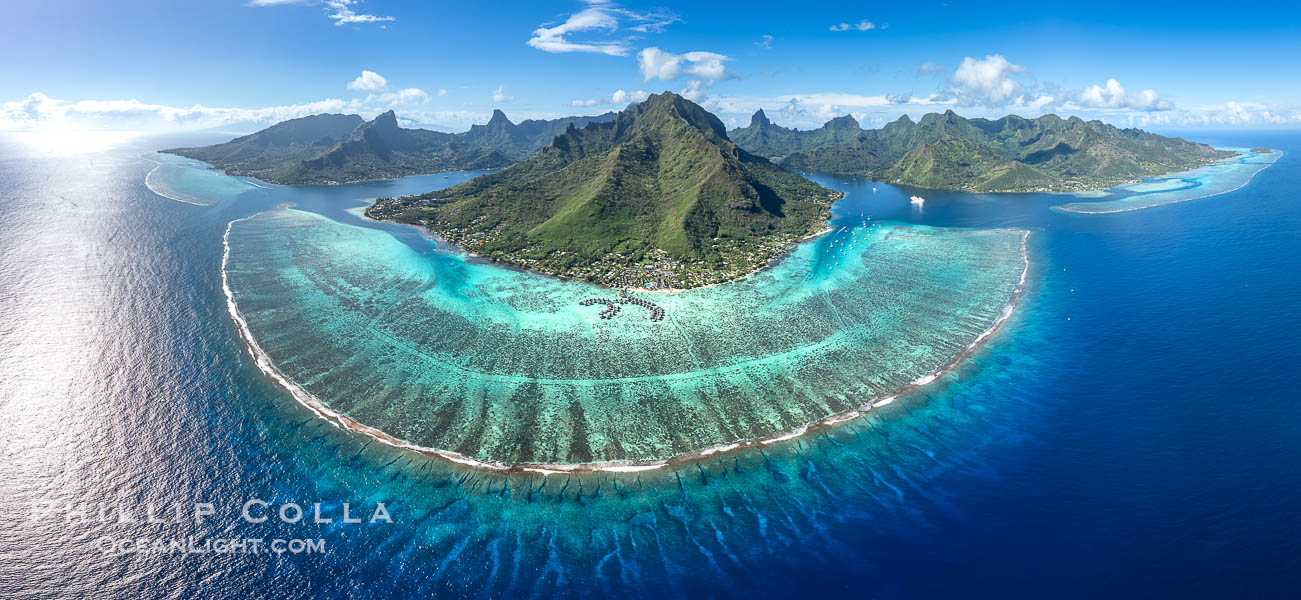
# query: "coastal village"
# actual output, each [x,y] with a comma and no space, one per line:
[655,271]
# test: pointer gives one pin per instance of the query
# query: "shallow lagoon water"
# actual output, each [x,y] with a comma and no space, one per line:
[1203,182]
[506,367]
[194,182]
[1150,436]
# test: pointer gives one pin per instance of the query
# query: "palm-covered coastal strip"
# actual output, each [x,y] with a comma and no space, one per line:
[658,197]
[1011,154]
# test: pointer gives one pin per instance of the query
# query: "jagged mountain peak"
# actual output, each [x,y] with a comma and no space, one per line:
[499,119]
[842,122]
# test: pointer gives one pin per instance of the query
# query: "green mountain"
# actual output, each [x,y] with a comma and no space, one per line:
[520,141]
[329,149]
[765,138]
[1009,154]
[659,194]
[277,146]
[382,150]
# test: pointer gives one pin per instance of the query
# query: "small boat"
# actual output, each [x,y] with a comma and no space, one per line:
[917,201]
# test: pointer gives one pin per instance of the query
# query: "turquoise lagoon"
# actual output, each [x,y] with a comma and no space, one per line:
[194,182]
[502,367]
[1202,182]
[1140,398]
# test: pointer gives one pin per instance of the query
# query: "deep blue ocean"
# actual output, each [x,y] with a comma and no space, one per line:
[1133,431]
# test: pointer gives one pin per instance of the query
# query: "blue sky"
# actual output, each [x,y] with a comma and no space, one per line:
[159,65]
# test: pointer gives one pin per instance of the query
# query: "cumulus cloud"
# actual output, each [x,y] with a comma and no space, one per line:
[1113,95]
[368,81]
[989,81]
[40,112]
[622,97]
[601,18]
[863,25]
[693,91]
[500,96]
[658,64]
[765,42]
[400,97]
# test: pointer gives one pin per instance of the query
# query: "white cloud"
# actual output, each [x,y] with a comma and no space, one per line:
[622,97]
[988,81]
[693,91]
[930,68]
[863,25]
[658,64]
[589,102]
[1113,95]
[340,11]
[368,80]
[40,112]
[765,42]
[500,96]
[600,17]
[553,39]
[653,22]
[400,97]
[442,92]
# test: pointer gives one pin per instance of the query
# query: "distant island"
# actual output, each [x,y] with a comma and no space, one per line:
[947,151]
[658,196]
[1262,151]
[339,149]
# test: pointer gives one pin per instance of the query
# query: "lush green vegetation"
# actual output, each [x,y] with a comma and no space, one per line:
[658,195]
[765,138]
[332,149]
[1009,154]
[277,146]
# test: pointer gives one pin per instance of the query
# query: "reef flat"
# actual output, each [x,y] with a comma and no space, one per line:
[191,181]
[1202,182]
[503,367]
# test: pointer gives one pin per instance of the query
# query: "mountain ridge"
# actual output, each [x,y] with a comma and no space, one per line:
[351,149]
[658,195]
[948,151]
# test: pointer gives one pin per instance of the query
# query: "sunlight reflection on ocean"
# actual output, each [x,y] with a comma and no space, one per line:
[122,380]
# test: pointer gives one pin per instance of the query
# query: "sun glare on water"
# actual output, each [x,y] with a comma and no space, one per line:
[68,143]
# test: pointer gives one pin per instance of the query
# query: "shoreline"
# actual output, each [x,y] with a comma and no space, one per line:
[346,423]
[1084,189]
[1062,208]
[433,236]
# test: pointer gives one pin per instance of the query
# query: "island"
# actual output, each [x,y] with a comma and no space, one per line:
[438,351]
[658,197]
[338,149]
[1260,150]
[1011,154]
